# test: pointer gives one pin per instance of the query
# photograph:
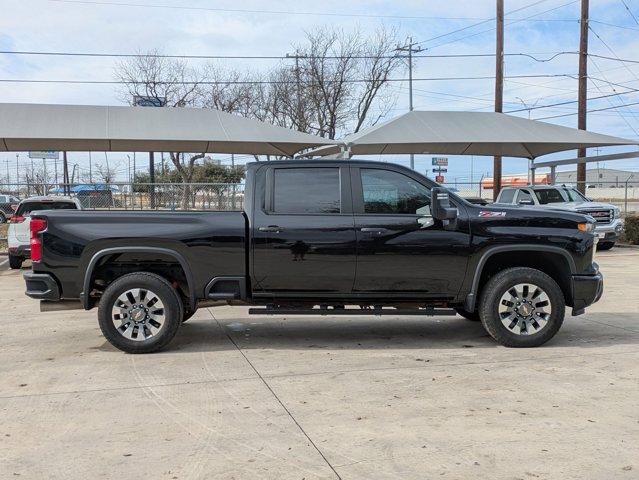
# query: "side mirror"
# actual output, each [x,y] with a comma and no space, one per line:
[526,202]
[442,209]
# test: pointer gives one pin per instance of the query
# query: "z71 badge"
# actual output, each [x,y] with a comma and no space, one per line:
[486,213]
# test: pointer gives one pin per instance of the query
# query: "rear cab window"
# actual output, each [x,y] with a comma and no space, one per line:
[306,190]
[26,208]
[507,195]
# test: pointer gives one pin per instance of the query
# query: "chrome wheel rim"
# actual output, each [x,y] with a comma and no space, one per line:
[138,314]
[525,309]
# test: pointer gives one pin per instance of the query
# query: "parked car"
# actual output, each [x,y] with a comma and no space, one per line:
[18,234]
[321,238]
[8,205]
[560,197]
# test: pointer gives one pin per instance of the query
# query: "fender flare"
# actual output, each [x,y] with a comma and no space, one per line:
[471,298]
[109,251]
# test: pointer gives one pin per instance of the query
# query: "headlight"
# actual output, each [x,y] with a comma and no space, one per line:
[616,213]
[586,227]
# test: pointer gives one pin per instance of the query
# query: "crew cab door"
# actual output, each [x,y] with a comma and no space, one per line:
[401,249]
[302,230]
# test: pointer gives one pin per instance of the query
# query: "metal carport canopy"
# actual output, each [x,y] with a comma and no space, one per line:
[128,129]
[468,133]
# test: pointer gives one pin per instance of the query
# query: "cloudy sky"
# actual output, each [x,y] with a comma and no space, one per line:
[540,28]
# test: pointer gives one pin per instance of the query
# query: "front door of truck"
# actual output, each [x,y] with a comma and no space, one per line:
[401,249]
[303,237]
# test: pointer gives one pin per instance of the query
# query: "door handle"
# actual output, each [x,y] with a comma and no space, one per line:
[375,230]
[270,228]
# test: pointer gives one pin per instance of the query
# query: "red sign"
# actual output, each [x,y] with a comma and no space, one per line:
[439,179]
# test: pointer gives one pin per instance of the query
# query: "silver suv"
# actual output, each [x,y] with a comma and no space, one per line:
[560,197]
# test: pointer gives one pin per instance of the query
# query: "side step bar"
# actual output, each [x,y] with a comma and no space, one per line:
[351,311]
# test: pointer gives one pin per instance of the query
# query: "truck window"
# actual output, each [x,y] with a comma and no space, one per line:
[392,192]
[549,195]
[507,195]
[28,207]
[306,190]
[525,196]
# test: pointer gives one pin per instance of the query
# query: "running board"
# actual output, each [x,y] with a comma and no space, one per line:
[351,311]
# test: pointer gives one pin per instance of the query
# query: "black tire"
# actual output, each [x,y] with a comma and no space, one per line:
[3,217]
[504,282]
[15,263]
[605,245]
[472,316]
[188,314]
[172,312]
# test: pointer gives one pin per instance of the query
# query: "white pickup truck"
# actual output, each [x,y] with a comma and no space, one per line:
[559,197]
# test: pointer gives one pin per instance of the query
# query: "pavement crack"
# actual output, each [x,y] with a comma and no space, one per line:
[277,398]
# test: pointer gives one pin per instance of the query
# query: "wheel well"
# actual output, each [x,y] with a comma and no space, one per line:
[112,266]
[552,264]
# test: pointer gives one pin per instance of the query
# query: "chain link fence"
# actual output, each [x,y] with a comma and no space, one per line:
[230,196]
[141,196]
[624,195]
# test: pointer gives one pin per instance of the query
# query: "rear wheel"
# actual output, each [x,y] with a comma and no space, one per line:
[472,316]
[522,307]
[15,262]
[605,245]
[3,217]
[140,313]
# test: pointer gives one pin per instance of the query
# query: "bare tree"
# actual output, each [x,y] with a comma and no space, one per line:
[106,173]
[169,81]
[39,179]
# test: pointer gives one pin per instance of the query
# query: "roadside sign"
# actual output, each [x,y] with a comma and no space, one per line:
[440,170]
[439,179]
[148,101]
[440,161]
[46,154]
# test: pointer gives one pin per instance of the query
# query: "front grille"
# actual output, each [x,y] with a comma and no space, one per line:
[602,217]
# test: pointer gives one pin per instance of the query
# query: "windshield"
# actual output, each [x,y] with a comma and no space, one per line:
[27,207]
[575,195]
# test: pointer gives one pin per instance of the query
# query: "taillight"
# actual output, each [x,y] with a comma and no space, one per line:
[37,225]
[16,219]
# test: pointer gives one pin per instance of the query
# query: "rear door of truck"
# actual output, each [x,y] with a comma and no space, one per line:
[303,232]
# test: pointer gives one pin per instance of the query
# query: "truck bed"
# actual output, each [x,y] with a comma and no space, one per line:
[212,243]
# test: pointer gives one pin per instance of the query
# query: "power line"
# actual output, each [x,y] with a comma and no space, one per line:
[479,23]
[277,57]
[277,12]
[493,28]
[589,111]
[630,12]
[568,102]
[271,82]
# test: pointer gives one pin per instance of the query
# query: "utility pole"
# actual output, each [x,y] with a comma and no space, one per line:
[298,84]
[17,173]
[499,89]
[8,175]
[582,102]
[410,47]
[90,169]
[152,179]
[65,173]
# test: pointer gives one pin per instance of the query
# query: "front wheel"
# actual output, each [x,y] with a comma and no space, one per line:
[605,245]
[140,313]
[522,307]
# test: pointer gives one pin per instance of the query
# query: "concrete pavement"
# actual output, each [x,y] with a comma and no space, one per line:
[322,397]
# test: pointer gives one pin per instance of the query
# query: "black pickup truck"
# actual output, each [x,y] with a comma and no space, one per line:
[323,238]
